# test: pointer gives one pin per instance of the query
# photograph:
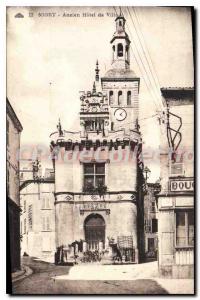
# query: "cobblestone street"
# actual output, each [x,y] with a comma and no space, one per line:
[43,281]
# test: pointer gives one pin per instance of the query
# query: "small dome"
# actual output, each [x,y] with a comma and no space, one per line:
[120,73]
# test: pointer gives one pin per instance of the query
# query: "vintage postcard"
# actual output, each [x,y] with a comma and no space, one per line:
[100,150]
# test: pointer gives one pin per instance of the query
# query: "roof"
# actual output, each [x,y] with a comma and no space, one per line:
[120,74]
[10,111]
[169,91]
[120,35]
[178,95]
[120,17]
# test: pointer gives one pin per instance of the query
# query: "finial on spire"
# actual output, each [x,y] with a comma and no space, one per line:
[94,88]
[120,12]
[97,71]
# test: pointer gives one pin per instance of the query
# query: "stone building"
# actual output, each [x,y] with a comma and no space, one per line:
[176,199]
[98,170]
[37,220]
[151,220]
[13,130]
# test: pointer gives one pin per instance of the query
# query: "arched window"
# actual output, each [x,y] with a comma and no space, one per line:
[120,50]
[120,98]
[120,23]
[111,98]
[129,98]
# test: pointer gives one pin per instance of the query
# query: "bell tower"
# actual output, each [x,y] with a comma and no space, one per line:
[120,82]
[120,45]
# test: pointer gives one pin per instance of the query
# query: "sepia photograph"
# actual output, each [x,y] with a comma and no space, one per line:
[100,150]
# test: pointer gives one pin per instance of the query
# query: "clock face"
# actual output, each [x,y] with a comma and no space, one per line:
[120,114]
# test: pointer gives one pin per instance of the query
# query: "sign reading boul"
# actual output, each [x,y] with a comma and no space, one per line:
[182,185]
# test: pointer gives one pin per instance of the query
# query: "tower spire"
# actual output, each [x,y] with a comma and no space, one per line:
[59,127]
[120,12]
[94,88]
[97,71]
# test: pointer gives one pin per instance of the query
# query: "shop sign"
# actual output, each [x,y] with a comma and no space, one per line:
[182,185]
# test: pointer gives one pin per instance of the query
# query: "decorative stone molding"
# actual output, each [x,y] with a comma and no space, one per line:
[107,197]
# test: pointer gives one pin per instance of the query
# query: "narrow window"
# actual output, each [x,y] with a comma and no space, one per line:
[127,48]
[47,203]
[120,98]
[185,228]
[111,97]
[129,98]
[154,225]
[180,229]
[191,228]
[43,203]
[43,223]
[153,206]
[147,225]
[120,50]
[47,224]
[113,54]
[151,244]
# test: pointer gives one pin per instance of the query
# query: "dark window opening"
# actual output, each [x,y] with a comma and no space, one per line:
[111,97]
[129,98]
[151,244]
[153,206]
[119,97]
[120,50]
[127,48]
[154,225]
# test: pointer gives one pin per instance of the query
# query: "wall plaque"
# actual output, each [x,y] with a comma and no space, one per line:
[94,206]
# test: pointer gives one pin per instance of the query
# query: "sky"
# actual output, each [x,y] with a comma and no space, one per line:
[52,56]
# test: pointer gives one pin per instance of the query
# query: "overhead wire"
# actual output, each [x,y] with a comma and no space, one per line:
[149,60]
[143,64]
[144,69]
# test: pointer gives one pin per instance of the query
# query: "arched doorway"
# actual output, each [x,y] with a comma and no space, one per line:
[94,227]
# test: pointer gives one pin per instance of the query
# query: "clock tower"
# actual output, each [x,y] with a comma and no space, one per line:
[120,82]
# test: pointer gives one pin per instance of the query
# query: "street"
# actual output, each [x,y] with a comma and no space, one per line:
[43,281]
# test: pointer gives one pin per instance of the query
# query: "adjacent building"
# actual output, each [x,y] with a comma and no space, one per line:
[98,170]
[13,131]
[37,214]
[176,199]
[151,220]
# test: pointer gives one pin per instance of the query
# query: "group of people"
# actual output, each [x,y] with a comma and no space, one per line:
[63,253]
